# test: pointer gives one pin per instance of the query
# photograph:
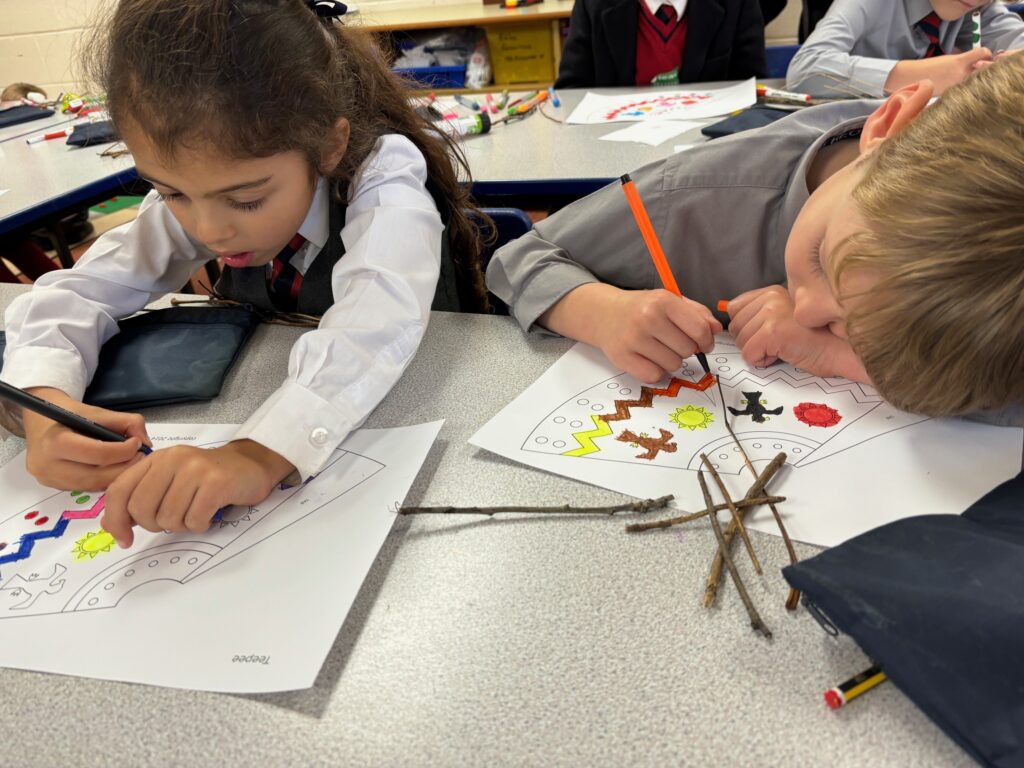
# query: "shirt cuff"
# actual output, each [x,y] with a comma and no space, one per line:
[299,425]
[869,75]
[545,289]
[61,369]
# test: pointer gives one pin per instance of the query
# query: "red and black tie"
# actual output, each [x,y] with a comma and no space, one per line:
[930,26]
[285,280]
[666,13]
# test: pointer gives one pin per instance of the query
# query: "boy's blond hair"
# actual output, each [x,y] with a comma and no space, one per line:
[943,331]
[19,91]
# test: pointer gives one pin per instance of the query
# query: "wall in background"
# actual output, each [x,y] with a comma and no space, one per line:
[38,38]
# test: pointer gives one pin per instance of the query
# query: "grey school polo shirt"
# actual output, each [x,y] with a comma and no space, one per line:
[856,45]
[722,212]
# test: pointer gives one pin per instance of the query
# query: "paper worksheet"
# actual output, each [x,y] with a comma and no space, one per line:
[854,462]
[683,104]
[252,605]
[652,132]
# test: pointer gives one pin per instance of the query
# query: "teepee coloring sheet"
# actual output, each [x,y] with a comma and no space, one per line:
[853,461]
[251,605]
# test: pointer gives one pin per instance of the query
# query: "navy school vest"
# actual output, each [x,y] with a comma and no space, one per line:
[249,285]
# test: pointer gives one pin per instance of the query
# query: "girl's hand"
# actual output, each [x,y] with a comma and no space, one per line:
[60,458]
[765,331]
[181,488]
[648,334]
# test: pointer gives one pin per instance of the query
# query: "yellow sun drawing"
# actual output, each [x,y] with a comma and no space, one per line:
[692,417]
[92,544]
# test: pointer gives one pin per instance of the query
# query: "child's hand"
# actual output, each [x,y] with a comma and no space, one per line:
[943,71]
[646,333]
[765,330]
[181,488]
[61,458]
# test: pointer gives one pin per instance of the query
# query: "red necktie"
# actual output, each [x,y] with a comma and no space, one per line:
[285,280]
[666,14]
[930,26]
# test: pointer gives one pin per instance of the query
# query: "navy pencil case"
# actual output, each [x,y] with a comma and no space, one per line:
[22,114]
[167,356]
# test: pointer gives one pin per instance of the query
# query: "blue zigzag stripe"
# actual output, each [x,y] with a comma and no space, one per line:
[29,540]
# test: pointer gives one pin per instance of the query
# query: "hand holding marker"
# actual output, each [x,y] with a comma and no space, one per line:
[72,421]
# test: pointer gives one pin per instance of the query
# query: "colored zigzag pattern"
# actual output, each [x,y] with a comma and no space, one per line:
[586,438]
[29,540]
[87,514]
[647,395]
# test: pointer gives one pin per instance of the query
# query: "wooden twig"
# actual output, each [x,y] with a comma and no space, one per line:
[793,600]
[755,618]
[736,515]
[637,506]
[669,522]
[757,489]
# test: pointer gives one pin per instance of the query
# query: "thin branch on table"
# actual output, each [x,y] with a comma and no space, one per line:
[637,506]
[755,618]
[794,594]
[736,515]
[668,523]
[757,489]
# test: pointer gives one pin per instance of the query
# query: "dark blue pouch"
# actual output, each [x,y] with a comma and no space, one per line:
[102,132]
[938,603]
[748,119]
[166,356]
[22,114]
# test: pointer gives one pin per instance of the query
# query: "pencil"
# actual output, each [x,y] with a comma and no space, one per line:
[854,687]
[654,248]
[73,421]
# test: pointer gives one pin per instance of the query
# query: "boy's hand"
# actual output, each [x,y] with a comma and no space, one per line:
[60,458]
[765,330]
[943,71]
[646,333]
[181,488]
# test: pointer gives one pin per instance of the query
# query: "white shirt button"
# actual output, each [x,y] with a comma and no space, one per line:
[319,436]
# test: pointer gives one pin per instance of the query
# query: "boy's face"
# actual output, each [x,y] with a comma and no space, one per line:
[829,217]
[245,211]
[950,10]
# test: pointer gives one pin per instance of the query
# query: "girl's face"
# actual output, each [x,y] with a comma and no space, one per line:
[245,211]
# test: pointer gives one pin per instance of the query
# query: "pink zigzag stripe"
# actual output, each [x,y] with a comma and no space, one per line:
[87,514]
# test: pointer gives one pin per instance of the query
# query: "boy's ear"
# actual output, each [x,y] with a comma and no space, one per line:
[898,111]
[336,145]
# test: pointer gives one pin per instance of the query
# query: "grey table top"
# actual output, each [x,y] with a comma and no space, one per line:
[31,128]
[538,149]
[509,641]
[45,177]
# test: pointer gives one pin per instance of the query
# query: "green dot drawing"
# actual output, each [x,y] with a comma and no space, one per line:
[79,497]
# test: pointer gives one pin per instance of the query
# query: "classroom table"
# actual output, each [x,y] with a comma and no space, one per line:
[516,640]
[32,127]
[48,180]
[539,156]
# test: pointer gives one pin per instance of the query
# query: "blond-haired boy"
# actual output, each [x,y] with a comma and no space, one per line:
[894,226]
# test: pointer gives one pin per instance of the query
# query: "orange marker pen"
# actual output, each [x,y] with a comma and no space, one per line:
[654,248]
[723,306]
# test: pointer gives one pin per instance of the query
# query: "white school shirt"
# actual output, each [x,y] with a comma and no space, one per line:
[678,5]
[854,48]
[383,288]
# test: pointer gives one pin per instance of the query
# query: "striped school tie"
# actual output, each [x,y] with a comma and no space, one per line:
[930,26]
[666,13]
[285,280]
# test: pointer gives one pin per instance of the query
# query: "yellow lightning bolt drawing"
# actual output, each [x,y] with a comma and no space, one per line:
[586,437]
